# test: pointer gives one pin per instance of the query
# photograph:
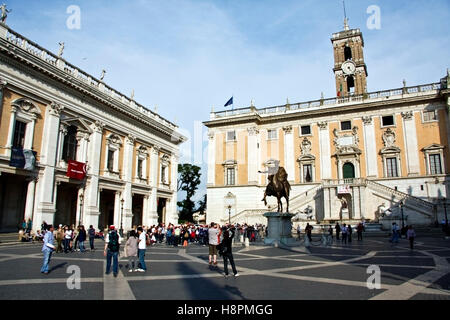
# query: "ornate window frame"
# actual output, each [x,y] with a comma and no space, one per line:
[114,143]
[306,158]
[26,111]
[390,151]
[141,154]
[230,164]
[164,168]
[434,149]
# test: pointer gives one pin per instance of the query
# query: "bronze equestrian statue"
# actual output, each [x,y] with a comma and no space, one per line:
[278,186]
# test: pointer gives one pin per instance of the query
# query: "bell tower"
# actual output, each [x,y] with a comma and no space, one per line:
[350,69]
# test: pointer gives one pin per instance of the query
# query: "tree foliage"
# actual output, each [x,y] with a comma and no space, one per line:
[188,181]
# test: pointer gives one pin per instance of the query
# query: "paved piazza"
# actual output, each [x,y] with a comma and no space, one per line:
[267,273]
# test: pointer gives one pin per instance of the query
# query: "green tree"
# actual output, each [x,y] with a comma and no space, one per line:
[188,181]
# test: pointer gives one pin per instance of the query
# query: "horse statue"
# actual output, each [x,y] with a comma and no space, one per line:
[278,187]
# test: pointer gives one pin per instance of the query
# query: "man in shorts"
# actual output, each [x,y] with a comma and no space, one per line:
[214,240]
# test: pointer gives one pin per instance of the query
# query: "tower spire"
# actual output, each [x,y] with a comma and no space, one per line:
[346,27]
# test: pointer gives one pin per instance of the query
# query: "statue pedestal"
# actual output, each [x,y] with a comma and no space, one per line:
[279,227]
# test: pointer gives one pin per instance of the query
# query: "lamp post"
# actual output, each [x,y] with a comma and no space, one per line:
[229,214]
[121,217]
[401,209]
[81,209]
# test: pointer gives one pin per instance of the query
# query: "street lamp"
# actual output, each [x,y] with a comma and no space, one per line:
[401,209]
[229,214]
[81,209]
[121,217]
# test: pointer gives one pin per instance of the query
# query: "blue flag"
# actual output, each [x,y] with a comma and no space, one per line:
[230,102]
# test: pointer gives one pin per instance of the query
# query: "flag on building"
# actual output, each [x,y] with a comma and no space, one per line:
[76,170]
[23,159]
[230,102]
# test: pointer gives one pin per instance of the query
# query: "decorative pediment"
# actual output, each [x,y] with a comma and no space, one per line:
[142,150]
[390,150]
[229,163]
[433,147]
[81,124]
[26,106]
[304,158]
[114,139]
[165,159]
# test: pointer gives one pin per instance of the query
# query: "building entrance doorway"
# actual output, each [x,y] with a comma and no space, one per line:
[106,218]
[66,205]
[162,202]
[138,204]
[13,194]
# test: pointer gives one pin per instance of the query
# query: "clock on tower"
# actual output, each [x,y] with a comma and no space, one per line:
[350,69]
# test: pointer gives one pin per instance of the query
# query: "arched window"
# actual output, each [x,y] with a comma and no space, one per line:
[350,84]
[347,53]
[348,170]
[70,144]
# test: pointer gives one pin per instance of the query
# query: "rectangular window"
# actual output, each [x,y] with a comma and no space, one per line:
[346,125]
[307,173]
[139,168]
[19,134]
[271,134]
[230,177]
[306,130]
[387,121]
[435,164]
[111,160]
[231,135]
[429,116]
[391,167]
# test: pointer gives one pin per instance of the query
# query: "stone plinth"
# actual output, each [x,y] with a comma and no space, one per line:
[279,228]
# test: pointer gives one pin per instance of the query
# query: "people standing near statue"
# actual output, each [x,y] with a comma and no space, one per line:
[111,251]
[47,249]
[395,233]
[411,235]
[338,230]
[349,233]
[344,233]
[214,240]
[308,231]
[330,233]
[226,250]
[91,233]
[359,231]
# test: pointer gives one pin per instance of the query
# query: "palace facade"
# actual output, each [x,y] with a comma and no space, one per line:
[53,114]
[373,156]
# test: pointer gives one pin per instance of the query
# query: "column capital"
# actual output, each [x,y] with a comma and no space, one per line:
[287,129]
[323,125]
[98,126]
[252,131]
[408,115]
[130,139]
[211,135]
[367,120]
[155,150]
[55,109]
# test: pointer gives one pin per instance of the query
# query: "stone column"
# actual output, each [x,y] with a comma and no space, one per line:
[172,212]
[117,209]
[252,160]
[154,154]
[289,158]
[46,188]
[62,134]
[356,192]
[128,177]
[82,146]
[370,148]
[29,202]
[411,146]
[29,137]
[326,204]
[92,193]
[325,154]
[12,121]
[211,159]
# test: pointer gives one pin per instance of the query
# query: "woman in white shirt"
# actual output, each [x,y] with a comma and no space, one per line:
[67,239]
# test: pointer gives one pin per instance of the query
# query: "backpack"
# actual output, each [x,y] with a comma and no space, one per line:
[113,244]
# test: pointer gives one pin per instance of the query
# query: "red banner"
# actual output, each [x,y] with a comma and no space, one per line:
[76,170]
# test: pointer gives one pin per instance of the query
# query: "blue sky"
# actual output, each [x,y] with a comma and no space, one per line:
[186,56]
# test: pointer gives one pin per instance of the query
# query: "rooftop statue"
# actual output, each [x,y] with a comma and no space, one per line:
[4,13]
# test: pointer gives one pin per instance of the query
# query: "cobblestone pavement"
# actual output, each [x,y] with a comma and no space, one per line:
[318,272]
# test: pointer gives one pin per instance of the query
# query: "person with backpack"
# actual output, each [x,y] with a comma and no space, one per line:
[225,250]
[111,252]
[142,246]
[91,233]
